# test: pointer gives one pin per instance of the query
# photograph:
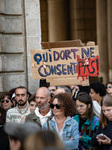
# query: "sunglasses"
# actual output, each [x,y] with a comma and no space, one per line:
[58,106]
[109,87]
[2,101]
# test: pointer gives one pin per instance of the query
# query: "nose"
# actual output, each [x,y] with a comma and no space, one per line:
[20,97]
[106,112]
[39,99]
[78,108]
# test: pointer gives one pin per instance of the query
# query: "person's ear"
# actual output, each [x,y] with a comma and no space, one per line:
[27,96]
[49,98]
[89,105]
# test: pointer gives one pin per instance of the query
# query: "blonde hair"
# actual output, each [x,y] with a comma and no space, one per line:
[43,139]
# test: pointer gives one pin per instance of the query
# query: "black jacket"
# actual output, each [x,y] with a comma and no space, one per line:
[108,132]
[4,141]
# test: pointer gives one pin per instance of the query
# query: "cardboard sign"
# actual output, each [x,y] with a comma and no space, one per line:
[73,64]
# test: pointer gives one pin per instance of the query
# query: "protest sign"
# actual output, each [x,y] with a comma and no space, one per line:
[67,65]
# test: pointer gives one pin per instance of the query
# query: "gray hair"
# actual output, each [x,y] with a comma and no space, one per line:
[66,89]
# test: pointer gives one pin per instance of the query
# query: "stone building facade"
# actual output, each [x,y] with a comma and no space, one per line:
[20,32]
[24,24]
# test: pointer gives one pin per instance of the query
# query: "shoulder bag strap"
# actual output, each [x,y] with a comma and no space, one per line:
[84,129]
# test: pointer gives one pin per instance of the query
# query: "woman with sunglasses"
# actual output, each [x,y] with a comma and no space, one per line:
[6,101]
[103,137]
[62,106]
[109,88]
[88,123]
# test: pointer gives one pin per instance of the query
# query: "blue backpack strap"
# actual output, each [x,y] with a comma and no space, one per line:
[95,120]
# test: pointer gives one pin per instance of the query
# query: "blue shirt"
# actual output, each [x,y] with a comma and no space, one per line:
[70,129]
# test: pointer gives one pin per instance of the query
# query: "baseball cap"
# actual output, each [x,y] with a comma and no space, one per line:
[21,130]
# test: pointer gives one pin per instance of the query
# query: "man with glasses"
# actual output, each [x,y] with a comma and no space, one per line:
[43,112]
[15,114]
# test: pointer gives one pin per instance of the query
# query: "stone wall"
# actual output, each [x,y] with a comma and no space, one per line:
[20,32]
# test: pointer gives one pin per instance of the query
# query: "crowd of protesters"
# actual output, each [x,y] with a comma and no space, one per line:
[57,118]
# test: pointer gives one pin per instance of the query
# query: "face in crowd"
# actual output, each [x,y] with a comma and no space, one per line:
[93,94]
[21,96]
[82,108]
[33,106]
[42,98]
[57,108]
[62,105]
[52,90]
[107,111]
[6,103]
[109,88]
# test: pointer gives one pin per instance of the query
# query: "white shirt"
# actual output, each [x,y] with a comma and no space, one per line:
[43,119]
[96,108]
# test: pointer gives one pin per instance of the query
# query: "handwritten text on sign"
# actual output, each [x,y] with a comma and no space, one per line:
[73,61]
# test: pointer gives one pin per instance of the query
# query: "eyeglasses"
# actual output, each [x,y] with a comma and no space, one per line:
[58,106]
[109,87]
[2,101]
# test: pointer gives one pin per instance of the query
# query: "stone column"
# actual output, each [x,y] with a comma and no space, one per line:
[12,58]
[19,33]
[32,36]
[109,21]
[57,20]
[102,38]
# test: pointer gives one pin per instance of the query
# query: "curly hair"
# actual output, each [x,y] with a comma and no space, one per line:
[67,102]
[98,88]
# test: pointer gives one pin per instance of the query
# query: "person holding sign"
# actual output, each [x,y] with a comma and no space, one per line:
[62,106]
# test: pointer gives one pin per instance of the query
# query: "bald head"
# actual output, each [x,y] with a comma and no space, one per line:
[44,90]
[42,97]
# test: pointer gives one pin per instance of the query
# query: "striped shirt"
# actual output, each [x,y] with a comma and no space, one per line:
[15,114]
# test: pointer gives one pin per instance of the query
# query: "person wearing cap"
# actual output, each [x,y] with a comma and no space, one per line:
[18,132]
[6,101]
[43,112]
[22,108]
